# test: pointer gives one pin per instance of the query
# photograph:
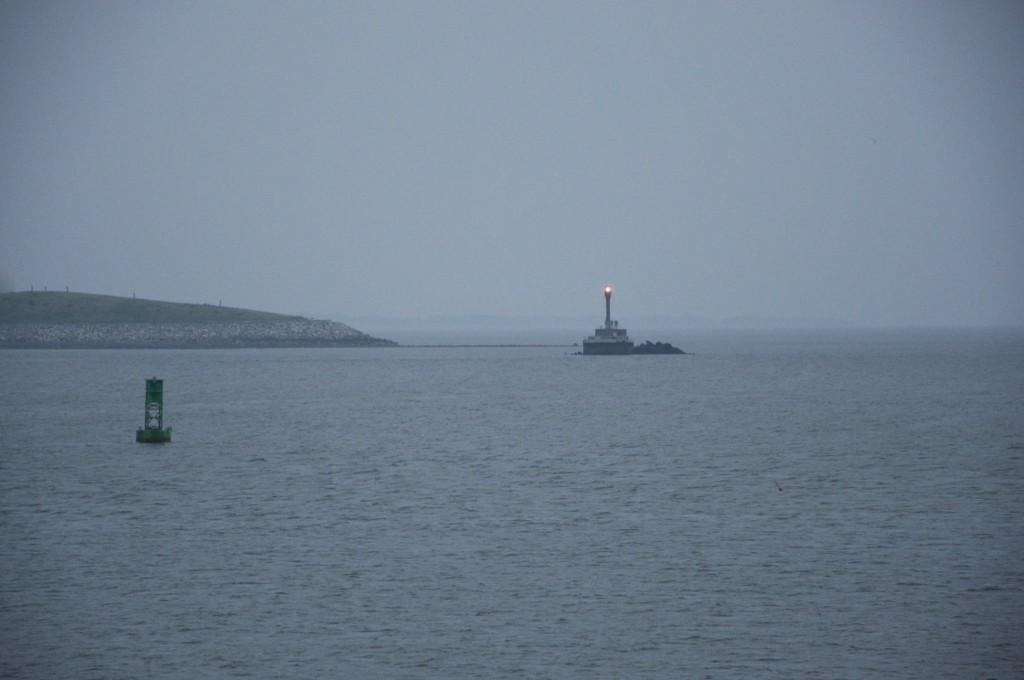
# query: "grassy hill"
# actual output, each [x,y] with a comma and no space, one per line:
[55,320]
[56,308]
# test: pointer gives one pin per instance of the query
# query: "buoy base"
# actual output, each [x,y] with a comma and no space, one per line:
[147,436]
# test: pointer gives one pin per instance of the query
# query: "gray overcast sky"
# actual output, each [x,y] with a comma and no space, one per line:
[857,160]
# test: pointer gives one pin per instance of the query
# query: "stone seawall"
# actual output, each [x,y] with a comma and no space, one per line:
[304,333]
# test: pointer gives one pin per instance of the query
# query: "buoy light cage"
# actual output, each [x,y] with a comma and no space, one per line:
[152,430]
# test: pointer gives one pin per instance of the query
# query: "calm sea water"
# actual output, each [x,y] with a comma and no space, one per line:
[803,505]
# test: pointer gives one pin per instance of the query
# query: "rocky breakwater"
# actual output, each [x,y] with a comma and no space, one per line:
[657,348]
[288,333]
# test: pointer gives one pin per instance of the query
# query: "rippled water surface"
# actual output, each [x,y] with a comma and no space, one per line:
[776,505]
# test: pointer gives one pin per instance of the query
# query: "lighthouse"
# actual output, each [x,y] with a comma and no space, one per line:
[611,339]
[607,306]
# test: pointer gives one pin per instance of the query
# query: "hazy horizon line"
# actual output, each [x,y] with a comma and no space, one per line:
[639,323]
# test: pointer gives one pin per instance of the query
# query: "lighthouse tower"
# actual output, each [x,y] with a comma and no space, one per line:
[607,306]
[611,339]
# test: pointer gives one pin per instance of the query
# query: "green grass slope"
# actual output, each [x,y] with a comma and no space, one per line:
[56,308]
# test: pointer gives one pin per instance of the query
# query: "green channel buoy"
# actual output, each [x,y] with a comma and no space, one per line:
[152,431]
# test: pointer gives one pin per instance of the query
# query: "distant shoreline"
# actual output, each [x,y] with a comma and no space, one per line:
[243,335]
[55,320]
